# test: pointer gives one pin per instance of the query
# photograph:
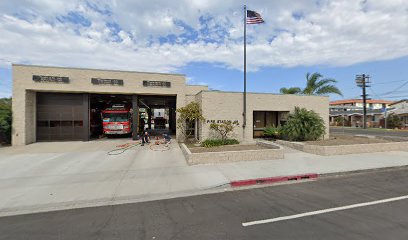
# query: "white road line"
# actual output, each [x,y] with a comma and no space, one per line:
[306,214]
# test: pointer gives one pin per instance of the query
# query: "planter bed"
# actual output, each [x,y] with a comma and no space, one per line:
[336,140]
[232,153]
[341,145]
[229,148]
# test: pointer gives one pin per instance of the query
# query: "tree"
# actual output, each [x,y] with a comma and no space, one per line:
[303,125]
[191,113]
[340,121]
[315,85]
[292,90]
[5,120]
[223,129]
[393,121]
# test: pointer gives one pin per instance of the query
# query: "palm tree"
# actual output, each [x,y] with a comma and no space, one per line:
[315,85]
[292,90]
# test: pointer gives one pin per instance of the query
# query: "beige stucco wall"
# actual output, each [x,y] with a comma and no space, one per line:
[24,115]
[229,106]
[216,105]
[80,80]
[24,89]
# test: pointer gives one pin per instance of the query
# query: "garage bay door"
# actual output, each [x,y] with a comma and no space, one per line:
[62,117]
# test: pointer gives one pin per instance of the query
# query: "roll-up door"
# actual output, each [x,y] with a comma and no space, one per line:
[62,117]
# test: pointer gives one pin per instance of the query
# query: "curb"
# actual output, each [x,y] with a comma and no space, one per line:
[250,182]
[363,171]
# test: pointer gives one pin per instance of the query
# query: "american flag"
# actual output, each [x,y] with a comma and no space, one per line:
[253,17]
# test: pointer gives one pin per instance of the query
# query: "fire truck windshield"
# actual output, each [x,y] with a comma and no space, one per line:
[115,117]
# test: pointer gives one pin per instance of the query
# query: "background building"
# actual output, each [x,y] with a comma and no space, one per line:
[352,111]
[400,108]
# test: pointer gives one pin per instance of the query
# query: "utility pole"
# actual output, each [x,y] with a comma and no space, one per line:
[362,81]
[364,102]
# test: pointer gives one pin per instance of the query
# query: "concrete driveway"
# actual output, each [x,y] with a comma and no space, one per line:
[63,175]
[58,175]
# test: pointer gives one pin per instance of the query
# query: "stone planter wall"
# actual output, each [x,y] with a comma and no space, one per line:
[346,149]
[232,156]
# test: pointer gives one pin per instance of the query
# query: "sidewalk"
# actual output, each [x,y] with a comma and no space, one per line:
[297,162]
[34,178]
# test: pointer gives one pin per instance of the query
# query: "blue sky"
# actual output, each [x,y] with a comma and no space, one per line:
[203,39]
[386,77]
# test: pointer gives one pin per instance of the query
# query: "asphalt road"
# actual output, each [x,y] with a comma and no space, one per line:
[373,132]
[220,216]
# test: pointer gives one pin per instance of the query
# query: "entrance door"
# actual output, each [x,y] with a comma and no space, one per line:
[62,117]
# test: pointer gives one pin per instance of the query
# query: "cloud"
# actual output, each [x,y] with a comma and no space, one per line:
[164,36]
[192,81]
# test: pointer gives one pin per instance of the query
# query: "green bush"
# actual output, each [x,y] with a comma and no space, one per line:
[218,142]
[231,141]
[303,125]
[189,116]
[273,132]
[393,121]
[5,120]
[339,121]
[223,130]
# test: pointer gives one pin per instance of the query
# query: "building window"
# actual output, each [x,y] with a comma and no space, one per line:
[263,119]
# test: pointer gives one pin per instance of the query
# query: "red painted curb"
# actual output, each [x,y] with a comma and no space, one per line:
[256,181]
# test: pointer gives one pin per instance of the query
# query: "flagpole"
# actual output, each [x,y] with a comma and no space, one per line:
[245,17]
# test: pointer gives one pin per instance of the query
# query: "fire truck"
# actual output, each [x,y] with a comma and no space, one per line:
[117,120]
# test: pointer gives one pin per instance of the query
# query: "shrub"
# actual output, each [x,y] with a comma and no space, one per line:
[223,129]
[5,120]
[231,141]
[218,142]
[339,121]
[189,115]
[393,121]
[303,125]
[273,132]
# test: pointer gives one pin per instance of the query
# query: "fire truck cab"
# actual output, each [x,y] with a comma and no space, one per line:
[117,120]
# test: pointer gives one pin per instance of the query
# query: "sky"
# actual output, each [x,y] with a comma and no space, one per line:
[204,40]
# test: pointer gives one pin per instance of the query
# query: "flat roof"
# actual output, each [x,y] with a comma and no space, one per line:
[95,69]
[279,94]
[374,101]
[400,101]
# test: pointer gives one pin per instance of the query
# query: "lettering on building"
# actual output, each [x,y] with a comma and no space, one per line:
[104,81]
[50,79]
[163,84]
[235,122]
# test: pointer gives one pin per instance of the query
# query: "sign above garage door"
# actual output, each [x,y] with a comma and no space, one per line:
[102,81]
[157,84]
[50,79]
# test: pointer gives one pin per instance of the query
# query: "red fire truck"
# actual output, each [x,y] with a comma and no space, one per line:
[117,120]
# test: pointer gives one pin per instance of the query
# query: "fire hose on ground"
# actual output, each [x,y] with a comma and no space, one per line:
[158,145]
[123,148]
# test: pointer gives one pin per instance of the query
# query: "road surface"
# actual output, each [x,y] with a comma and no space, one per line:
[372,132]
[223,215]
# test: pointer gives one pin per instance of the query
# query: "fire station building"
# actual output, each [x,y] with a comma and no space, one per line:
[65,104]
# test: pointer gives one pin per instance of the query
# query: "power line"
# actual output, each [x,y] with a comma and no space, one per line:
[374,93]
[379,83]
[398,96]
[395,90]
